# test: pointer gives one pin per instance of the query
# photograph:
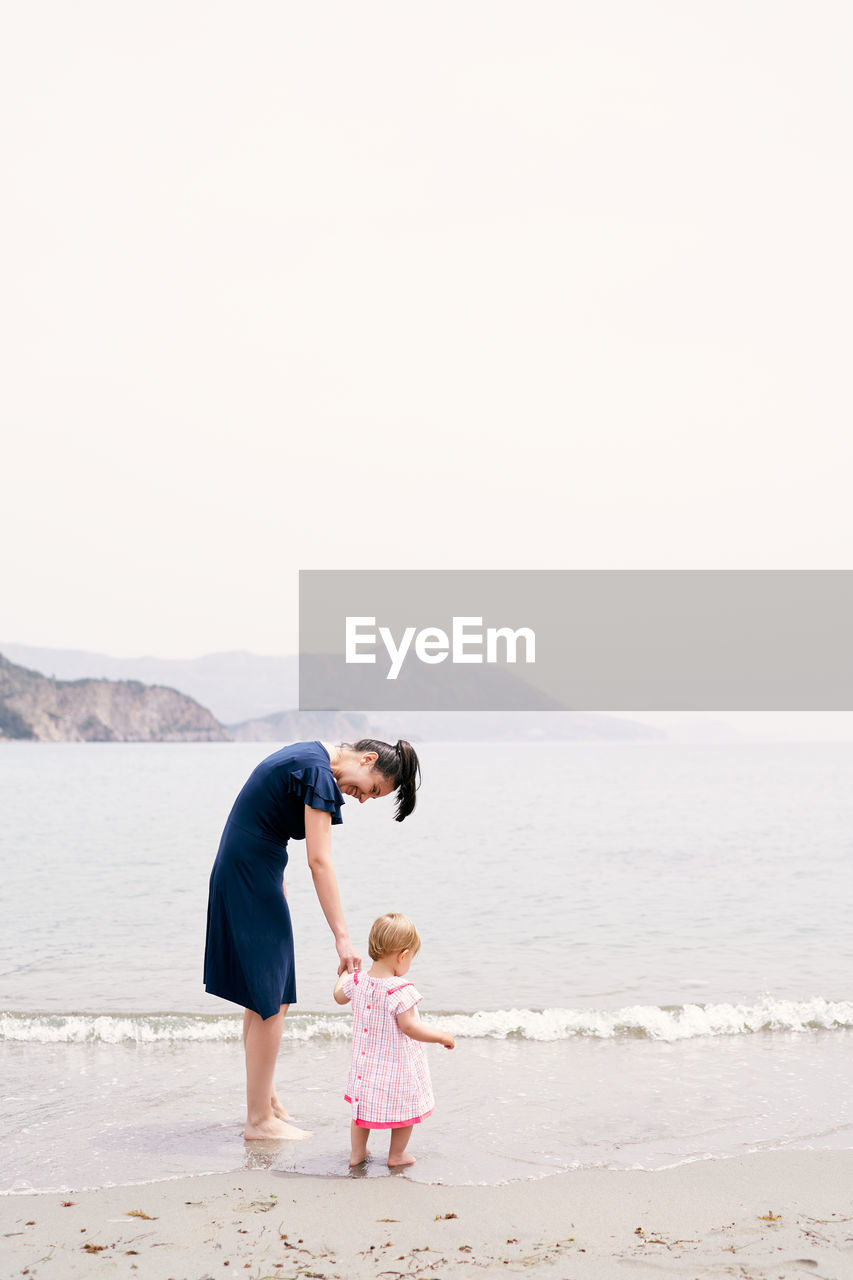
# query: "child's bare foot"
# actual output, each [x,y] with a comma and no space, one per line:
[279,1108]
[275,1128]
[398,1157]
[358,1138]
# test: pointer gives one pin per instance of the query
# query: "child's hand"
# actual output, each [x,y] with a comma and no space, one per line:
[448,1042]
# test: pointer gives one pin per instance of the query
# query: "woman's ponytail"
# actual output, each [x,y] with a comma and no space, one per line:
[410,779]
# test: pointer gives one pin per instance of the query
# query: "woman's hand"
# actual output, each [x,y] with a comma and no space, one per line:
[349,961]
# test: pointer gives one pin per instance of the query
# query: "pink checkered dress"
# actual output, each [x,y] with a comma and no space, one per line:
[389,1085]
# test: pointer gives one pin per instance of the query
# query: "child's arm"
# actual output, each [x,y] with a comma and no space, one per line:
[338,993]
[411,1026]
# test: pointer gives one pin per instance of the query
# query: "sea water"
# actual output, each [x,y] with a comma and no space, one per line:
[643,951]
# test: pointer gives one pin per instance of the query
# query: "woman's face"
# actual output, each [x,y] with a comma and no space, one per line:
[357,777]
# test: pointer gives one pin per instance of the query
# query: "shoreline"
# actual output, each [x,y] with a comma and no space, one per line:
[262,1157]
[770,1214]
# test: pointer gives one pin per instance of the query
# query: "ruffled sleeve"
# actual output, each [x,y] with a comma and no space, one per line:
[315,785]
[403,997]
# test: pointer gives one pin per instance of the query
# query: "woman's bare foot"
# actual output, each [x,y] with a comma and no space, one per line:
[397,1162]
[279,1109]
[275,1128]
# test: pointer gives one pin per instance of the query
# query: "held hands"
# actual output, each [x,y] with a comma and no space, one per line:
[349,961]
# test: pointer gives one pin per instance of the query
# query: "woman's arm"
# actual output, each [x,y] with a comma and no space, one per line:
[318,839]
[411,1026]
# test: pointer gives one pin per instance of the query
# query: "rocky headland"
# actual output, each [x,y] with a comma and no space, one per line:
[40,709]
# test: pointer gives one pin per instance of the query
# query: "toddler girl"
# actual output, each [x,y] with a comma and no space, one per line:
[389,1085]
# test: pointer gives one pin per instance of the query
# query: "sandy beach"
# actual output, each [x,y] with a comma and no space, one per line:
[760,1216]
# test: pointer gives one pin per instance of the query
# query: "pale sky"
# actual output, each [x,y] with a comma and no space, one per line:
[468,285]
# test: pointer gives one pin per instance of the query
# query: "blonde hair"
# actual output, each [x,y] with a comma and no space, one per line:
[391,933]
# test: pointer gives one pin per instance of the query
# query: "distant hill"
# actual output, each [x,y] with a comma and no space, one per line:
[513,726]
[35,708]
[234,686]
[302,726]
[445,726]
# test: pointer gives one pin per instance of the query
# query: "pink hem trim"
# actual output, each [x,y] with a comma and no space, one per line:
[396,1124]
[391,990]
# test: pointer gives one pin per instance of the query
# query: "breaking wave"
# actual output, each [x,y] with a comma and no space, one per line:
[649,1022]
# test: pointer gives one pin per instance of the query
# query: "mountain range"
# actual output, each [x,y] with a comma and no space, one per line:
[253,698]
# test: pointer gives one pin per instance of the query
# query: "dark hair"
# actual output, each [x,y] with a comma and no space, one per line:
[400,764]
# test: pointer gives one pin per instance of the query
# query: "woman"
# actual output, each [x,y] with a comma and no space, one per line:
[297,794]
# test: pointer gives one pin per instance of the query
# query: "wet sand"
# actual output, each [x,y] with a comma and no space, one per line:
[756,1217]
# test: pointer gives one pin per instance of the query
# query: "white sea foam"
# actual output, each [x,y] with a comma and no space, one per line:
[80,1028]
[652,1022]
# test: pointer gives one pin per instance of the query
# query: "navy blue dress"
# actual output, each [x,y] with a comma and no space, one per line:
[248,957]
